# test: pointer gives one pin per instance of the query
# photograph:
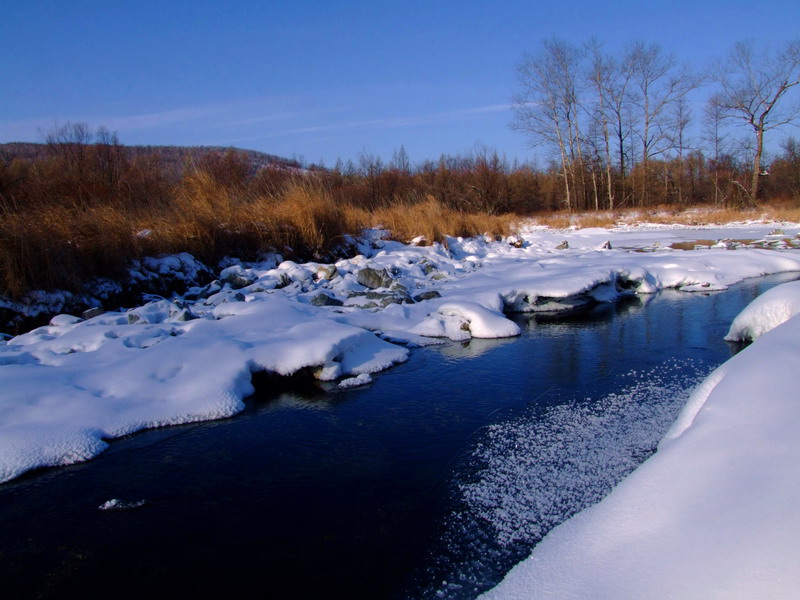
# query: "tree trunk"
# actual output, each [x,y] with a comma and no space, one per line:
[757,162]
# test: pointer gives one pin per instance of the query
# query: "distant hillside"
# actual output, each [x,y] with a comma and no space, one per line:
[172,158]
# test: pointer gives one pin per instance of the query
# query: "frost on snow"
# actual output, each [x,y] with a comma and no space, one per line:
[532,472]
[75,383]
[713,513]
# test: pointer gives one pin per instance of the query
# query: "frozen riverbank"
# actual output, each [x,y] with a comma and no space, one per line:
[713,513]
[73,384]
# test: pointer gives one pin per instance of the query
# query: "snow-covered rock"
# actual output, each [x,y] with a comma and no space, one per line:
[454,319]
[770,309]
[71,385]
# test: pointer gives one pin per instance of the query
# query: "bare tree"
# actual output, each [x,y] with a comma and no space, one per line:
[752,90]
[602,75]
[681,119]
[371,169]
[715,136]
[547,108]
[400,161]
[617,99]
[612,113]
[659,84]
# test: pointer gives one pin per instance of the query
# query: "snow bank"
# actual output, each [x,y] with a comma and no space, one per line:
[713,514]
[766,312]
[71,385]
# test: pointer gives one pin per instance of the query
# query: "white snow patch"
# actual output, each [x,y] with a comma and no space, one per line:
[770,309]
[356,381]
[460,320]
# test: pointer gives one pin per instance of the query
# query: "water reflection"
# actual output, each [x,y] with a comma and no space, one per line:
[472,348]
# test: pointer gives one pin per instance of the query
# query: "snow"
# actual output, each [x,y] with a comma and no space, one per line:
[356,381]
[766,312]
[713,513]
[74,384]
[532,472]
[462,320]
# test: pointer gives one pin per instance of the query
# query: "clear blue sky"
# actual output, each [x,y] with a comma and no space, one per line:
[322,80]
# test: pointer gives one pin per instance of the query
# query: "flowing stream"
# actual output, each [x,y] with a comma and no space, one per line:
[431,482]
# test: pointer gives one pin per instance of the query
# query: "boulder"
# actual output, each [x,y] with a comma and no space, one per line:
[323,299]
[427,266]
[429,295]
[90,313]
[387,298]
[374,278]
[326,272]
[283,281]
[237,277]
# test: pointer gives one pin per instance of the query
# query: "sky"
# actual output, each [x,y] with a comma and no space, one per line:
[321,80]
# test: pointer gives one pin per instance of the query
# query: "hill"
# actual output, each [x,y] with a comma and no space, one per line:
[173,159]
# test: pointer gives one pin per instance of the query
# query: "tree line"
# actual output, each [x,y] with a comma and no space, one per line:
[105,173]
[621,131]
[617,130]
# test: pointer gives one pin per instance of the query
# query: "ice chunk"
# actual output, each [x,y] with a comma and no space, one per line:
[356,381]
[117,504]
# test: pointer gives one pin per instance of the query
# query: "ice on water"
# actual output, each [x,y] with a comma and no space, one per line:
[712,514]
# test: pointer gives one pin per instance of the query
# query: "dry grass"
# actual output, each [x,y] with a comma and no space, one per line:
[434,221]
[564,220]
[54,234]
[780,211]
[709,215]
[784,209]
[556,220]
[56,246]
[65,245]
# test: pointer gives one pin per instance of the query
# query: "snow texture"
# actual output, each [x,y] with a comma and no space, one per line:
[70,386]
[774,307]
[712,514]
[531,473]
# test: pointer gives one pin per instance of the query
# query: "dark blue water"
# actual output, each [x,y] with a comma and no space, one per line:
[386,491]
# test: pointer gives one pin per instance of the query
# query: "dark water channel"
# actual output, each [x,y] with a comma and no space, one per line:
[353,494]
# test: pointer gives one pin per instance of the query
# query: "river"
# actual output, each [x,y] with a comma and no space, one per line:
[429,483]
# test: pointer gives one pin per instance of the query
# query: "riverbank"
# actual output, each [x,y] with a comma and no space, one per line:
[75,383]
[712,513]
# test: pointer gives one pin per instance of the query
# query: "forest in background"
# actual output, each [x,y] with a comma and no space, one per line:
[82,205]
[622,131]
[619,131]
